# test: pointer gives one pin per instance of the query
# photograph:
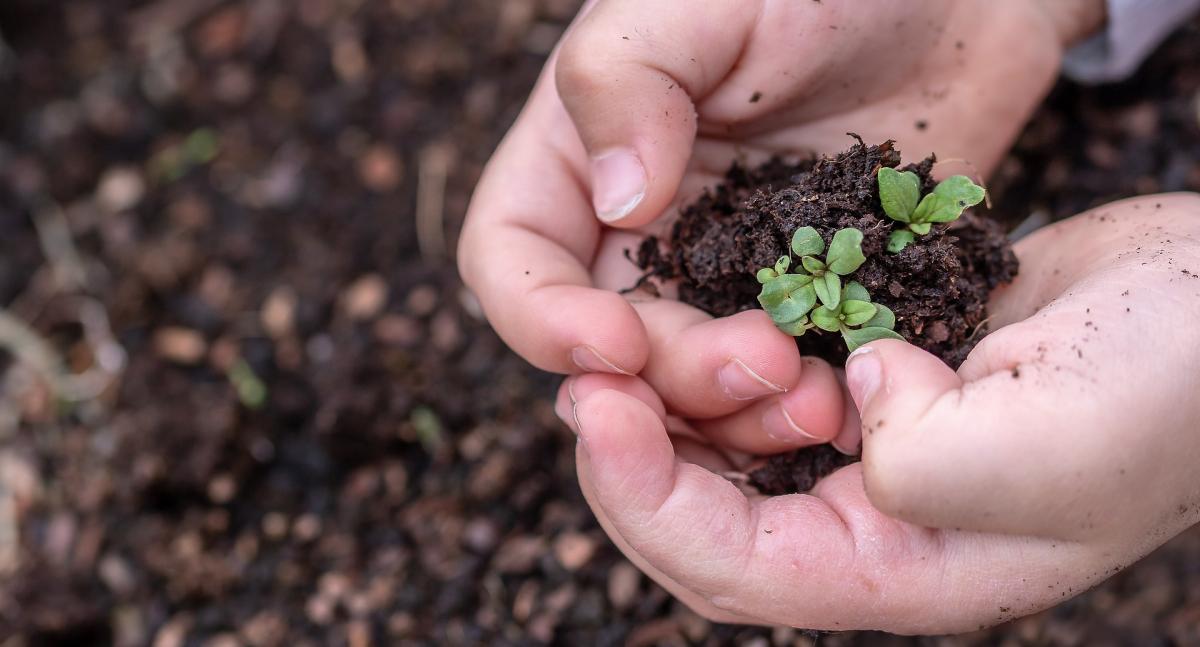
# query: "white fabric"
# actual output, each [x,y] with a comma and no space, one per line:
[1135,28]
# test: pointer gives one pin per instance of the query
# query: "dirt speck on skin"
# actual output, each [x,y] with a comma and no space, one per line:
[756,97]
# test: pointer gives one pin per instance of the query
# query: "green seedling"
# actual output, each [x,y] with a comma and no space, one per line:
[816,298]
[857,319]
[900,194]
[822,277]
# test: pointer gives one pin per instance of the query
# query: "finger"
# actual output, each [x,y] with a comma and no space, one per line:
[849,439]
[1042,407]
[810,413]
[694,601]
[575,388]
[631,92]
[704,367]
[983,454]
[526,247]
[824,562]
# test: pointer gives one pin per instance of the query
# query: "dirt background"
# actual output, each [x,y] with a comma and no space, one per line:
[281,421]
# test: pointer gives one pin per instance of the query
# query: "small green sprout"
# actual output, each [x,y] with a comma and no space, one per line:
[856,318]
[816,298]
[900,194]
[843,258]
[251,390]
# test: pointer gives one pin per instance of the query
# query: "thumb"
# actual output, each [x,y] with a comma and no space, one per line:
[982,454]
[631,90]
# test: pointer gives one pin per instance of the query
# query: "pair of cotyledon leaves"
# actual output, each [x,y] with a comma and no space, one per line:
[900,194]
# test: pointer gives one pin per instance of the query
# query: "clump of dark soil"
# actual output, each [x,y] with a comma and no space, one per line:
[798,471]
[938,286]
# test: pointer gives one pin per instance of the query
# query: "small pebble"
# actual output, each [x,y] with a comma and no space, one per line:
[278,314]
[120,189]
[117,576]
[518,554]
[174,632]
[265,629]
[365,298]
[624,579]
[398,330]
[222,488]
[524,600]
[275,525]
[380,169]
[180,345]
[421,301]
[574,549]
[307,527]
[480,535]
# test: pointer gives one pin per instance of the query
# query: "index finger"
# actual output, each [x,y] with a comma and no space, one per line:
[527,244]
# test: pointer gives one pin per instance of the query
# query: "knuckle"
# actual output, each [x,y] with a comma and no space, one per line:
[579,71]
[888,479]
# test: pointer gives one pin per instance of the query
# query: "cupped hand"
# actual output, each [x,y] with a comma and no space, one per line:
[1062,450]
[645,104]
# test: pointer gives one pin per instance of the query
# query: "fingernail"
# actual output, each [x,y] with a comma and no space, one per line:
[864,374]
[741,383]
[849,452]
[618,184]
[565,410]
[591,361]
[780,426]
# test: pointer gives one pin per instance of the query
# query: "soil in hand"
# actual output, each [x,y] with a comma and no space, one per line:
[938,286]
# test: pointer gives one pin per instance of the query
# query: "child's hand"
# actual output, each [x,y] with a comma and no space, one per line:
[1063,450]
[1079,418]
[645,103]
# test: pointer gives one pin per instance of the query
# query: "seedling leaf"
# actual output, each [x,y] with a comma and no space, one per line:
[829,289]
[854,291]
[857,312]
[826,319]
[813,265]
[900,239]
[948,200]
[845,251]
[788,297]
[961,192]
[899,193]
[884,318]
[921,228]
[856,338]
[807,242]
[796,328]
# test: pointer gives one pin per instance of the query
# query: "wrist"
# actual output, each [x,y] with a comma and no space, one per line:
[1075,20]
